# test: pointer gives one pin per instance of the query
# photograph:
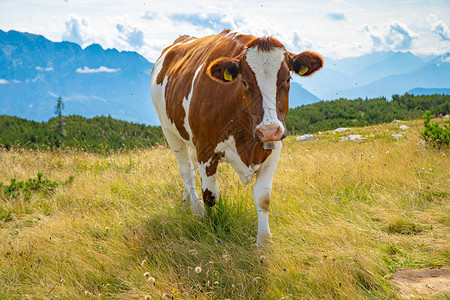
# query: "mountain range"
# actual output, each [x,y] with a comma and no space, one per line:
[93,81]
[380,74]
[35,71]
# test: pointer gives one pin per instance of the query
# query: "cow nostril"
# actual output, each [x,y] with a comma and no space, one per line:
[269,133]
[259,134]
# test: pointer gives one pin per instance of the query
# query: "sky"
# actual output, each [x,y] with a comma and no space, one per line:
[334,28]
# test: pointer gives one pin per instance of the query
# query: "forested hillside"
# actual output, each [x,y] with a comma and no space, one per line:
[105,134]
[102,134]
[327,115]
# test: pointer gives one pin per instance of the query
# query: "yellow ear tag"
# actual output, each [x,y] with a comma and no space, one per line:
[227,76]
[302,71]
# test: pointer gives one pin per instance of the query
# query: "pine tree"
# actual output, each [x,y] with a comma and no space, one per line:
[58,112]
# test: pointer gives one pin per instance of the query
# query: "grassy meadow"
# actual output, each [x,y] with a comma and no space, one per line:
[344,216]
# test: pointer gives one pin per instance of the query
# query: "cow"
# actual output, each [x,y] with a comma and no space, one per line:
[225,97]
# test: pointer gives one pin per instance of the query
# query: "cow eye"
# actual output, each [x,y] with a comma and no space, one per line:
[287,82]
[244,84]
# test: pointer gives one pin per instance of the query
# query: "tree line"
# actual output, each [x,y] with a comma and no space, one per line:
[328,115]
[105,134]
[99,134]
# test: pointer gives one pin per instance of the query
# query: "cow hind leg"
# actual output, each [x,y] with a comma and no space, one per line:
[187,171]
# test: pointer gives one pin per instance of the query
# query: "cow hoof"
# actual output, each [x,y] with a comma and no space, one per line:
[198,208]
[209,198]
[263,240]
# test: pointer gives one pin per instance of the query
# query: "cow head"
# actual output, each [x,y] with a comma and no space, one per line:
[263,71]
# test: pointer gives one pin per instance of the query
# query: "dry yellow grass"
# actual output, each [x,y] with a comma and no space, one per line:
[344,216]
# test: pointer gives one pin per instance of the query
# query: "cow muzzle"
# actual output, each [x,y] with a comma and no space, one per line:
[269,133]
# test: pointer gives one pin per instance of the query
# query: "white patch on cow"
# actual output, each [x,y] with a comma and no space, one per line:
[232,157]
[186,104]
[266,66]
[158,92]
[158,95]
[262,192]
[183,152]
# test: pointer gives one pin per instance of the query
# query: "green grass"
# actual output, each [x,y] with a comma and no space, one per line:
[344,215]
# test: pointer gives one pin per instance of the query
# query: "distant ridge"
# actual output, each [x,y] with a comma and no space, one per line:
[430,91]
[92,81]
[299,96]
[379,74]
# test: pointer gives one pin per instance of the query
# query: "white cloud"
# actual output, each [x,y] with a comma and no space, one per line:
[149,15]
[132,35]
[75,30]
[206,20]
[442,30]
[42,69]
[337,16]
[395,36]
[102,69]
[3,81]
[331,26]
[53,94]
[294,43]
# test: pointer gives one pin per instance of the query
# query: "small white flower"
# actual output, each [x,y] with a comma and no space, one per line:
[198,270]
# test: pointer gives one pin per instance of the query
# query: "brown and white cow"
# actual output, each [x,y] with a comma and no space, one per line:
[225,98]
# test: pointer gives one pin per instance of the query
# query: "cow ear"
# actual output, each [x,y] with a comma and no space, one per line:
[305,63]
[223,69]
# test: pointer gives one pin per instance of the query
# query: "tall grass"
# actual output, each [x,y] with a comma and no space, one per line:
[344,216]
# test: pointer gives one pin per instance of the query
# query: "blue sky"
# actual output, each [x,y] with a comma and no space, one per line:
[335,28]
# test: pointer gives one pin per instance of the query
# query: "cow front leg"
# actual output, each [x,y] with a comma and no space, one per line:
[187,171]
[210,187]
[262,194]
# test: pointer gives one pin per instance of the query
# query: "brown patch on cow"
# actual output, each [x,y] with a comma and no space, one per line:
[265,44]
[208,198]
[265,203]
[283,94]
[212,168]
